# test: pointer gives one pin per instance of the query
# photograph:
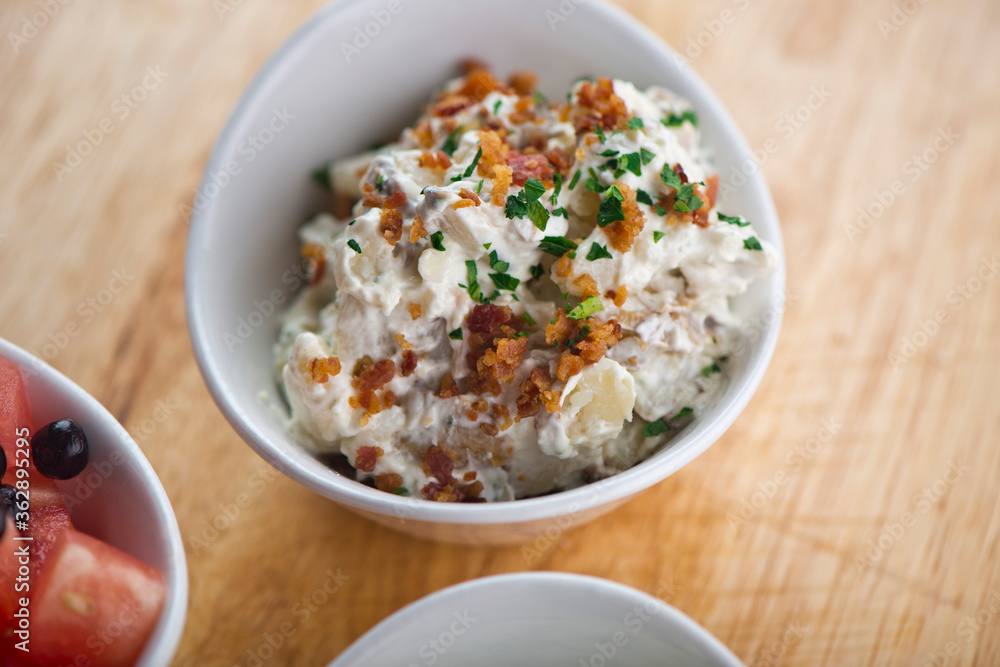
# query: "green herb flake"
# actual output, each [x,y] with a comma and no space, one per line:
[594,186]
[752,244]
[599,131]
[734,220]
[487,245]
[643,197]
[498,264]
[402,491]
[646,156]
[533,190]
[657,235]
[678,119]
[528,319]
[437,241]
[685,412]
[655,428]
[660,211]
[451,143]
[496,107]
[669,178]
[456,334]
[611,152]
[473,287]
[353,245]
[557,245]
[557,180]
[352,222]
[324,177]
[479,188]
[537,271]
[597,251]
[586,308]
[379,181]
[576,179]
[538,214]
[472,167]
[633,163]
[709,371]
[610,210]
[636,123]
[540,98]
[560,212]
[687,200]
[516,207]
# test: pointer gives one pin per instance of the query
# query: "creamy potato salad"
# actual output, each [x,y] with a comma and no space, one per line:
[526,295]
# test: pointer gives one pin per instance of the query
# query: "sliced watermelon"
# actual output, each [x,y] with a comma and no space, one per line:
[95,601]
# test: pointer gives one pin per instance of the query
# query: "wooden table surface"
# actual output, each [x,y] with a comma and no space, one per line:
[850,515]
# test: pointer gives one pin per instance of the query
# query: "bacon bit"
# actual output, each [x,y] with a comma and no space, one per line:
[401,340]
[524,82]
[502,414]
[388,481]
[322,369]
[489,429]
[587,283]
[342,205]
[712,190]
[601,337]
[524,111]
[440,465]
[486,318]
[481,406]
[409,363]
[448,387]
[700,216]
[370,377]
[561,330]
[494,153]
[500,364]
[366,458]
[477,85]
[314,254]
[560,160]
[416,310]
[469,476]
[536,392]
[417,230]
[501,184]
[606,108]
[462,203]
[564,266]
[391,225]
[371,198]
[493,353]
[569,365]
[469,195]
[471,415]
[424,134]
[622,234]
[530,166]
[618,296]
[388,398]
[437,160]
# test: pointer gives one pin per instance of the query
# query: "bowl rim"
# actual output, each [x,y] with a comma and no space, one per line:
[387,627]
[166,636]
[360,497]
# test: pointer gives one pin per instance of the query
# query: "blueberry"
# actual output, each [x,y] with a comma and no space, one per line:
[60,449]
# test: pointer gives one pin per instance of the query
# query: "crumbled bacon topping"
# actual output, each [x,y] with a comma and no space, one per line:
[388,481]
[314,254]
[416,310]
[586,341]
[587,285]
[524,111]
[417,230]
[409,363]
[437,160]
[501,184]
[322,369]
[617,296]
[448,387]
[530,166]
[569,365]
[467,198]
[478,83]
[605,108]
[366,458]
[536,392]
[423,133]
[494,153]
[369,377]
[494,349]
[391,225]
[439,464]
[489,429]
[560,160]
[621,234]
[524,82]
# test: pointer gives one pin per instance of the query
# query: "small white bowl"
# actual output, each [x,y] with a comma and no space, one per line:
[538,618]
[118,497]
[310,105]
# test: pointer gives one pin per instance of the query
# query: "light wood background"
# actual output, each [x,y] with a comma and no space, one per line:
[837,559]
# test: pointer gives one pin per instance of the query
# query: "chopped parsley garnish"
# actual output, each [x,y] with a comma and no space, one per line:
[594,186]
[540,98]
[734,220]
[560,212]
[685,412]
[379,181]
[524,203]
[479,187]
[539,215]
[401,491]
[657,235]
[473,272]
[352,222]
[498,264]
[353,245]
[643,197]
[599,131]
[456,334]
[324,177]
[584,332]
[610,210]
[636,123]
[557,180]
[687,200]
[709,371]
[521,334]
[586,308]
[516,207]
[487,245]
[470,168]
[647,156]
[633,163]
[451,143]
[557,245]
[528,319]
[597,251]
[655,428]
[752,244]
[611,152]
[496,107]
[537,271]
[437,240]
[670,178]
[576,179]
[533,189]
[677,119]
[660,211]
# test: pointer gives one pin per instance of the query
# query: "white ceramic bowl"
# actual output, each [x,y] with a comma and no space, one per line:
[538,618]
[242,245]
[118,498]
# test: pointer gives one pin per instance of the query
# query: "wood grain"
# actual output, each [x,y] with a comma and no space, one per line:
[791,546]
